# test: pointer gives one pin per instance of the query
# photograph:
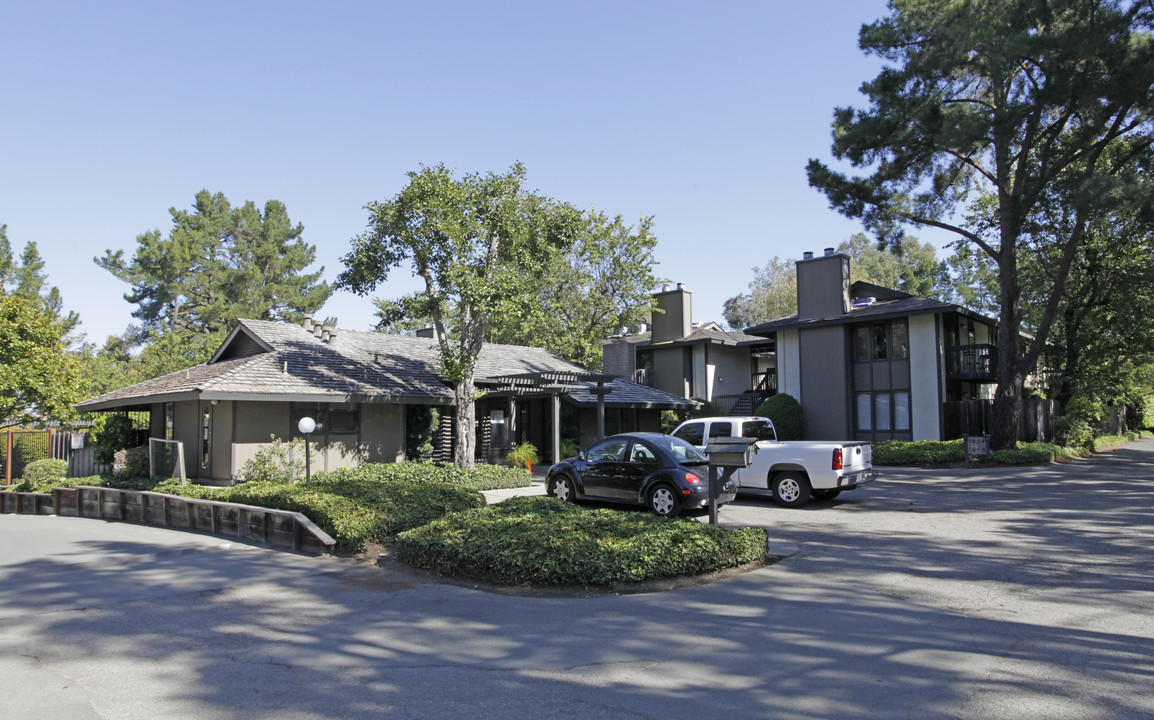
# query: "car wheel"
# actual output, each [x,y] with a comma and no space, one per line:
[561,487]
[790,489]
[826,494]
[664,501]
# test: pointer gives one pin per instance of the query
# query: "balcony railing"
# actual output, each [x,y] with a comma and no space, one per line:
[643,376]
[971,362]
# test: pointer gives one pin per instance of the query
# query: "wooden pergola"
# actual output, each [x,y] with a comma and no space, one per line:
[553,383]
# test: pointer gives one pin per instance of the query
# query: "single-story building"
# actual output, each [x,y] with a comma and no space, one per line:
[363,388]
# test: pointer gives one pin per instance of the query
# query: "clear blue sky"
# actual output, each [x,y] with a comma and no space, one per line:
[700,114]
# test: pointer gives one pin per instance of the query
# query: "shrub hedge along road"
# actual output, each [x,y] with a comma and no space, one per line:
[544,541]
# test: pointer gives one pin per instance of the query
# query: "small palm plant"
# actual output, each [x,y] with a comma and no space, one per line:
[524,454]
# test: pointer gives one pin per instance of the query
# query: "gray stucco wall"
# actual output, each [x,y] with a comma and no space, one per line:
[732,369]
[824,384]
[382,432]
[669,371]
[926,378]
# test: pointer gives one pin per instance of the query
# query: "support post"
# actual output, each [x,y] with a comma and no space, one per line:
[556,401]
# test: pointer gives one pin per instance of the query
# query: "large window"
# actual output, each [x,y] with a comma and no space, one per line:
[887,340]
[333,418]
[883,411]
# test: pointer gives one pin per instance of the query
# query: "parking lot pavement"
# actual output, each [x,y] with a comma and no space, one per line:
[989,593]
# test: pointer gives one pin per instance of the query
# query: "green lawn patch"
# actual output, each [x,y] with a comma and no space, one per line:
[546,542]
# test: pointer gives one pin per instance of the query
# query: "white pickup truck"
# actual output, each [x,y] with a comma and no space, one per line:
[792,471]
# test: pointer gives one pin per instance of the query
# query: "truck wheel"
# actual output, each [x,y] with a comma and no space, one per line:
[790,489]
[663,500]
[826,494]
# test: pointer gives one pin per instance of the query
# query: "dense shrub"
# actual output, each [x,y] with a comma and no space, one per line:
[920,452]
[570,448]
[131,463]
[278,461]
[1105,442]
[1081,421]
[785,412]
[45,471]
[482,477]
[110,433]
[952,452]
[421,423]
[543,541]
[1035,453]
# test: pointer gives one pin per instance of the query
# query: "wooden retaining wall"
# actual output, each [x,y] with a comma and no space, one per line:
[280,529]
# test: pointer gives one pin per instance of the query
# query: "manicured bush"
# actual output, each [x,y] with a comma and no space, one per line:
[277,461]
[45,471]
[543,541]
[785,412]
[482,477]
[920,452]
[1036,453]
[1105,442]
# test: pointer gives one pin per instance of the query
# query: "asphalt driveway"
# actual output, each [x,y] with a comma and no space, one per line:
[930,594]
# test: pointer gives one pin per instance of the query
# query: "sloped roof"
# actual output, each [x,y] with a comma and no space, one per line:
[888,304]
[706,333]
[274,361]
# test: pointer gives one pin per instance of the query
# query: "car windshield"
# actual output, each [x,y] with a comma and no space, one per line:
[681,451]
[758,430]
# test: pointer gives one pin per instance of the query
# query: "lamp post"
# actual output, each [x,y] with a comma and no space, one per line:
[306,426]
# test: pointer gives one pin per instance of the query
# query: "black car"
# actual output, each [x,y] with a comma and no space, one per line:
[664,473]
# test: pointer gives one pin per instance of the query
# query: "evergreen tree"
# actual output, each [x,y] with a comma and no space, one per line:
[218,264]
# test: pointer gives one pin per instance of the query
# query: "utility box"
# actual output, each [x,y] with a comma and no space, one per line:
[731,452]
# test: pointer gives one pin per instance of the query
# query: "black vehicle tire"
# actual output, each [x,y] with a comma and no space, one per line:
[561,487]
[790,489]
[663,500]
[826,494]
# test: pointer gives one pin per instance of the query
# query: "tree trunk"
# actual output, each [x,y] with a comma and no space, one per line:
[465,413]
[1008,395]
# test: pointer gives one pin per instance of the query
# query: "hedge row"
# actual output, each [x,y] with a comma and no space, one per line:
[952,452]
[481,477]
[544,541]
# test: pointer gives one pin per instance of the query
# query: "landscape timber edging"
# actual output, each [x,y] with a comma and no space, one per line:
[281,529]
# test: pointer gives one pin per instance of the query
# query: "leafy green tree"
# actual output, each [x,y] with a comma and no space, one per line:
[772,295]
[217,264]
[38,380]
[1102,339]
[909,265]
[472,240]
[973,279]
[29,281]
[600,280]
[1020,98]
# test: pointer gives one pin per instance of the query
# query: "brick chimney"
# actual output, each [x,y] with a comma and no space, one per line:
[823,285]
[675,320]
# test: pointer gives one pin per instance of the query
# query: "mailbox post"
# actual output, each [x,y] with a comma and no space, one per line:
[726,455]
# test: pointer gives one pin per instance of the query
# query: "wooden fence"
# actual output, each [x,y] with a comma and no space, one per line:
[20,447]
[975,417]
